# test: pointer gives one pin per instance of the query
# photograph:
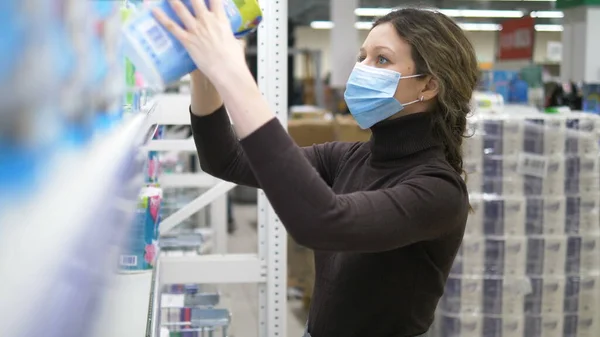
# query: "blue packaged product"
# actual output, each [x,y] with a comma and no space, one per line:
[141,247]
[160,57]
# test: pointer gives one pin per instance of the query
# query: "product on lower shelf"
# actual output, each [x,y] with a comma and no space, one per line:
[529,265]
[188,312]
[141,244]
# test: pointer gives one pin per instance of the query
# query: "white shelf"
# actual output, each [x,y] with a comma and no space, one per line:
[212,269]
[201,180]
[126,305]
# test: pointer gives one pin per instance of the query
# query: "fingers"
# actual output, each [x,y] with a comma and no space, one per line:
[188,20]
[169,24]
[218,8]
[199,7]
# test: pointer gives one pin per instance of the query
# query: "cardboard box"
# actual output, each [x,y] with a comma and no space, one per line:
[307,132]
[347,130]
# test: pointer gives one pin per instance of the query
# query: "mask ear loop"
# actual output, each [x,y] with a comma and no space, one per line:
[420,99]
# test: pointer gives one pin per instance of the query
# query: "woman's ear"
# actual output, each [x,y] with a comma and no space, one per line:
[431,89]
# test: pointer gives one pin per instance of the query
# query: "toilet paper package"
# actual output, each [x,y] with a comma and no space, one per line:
[501,175]
[496,215]
[583,131]
[470,259]
[502,137]
[583,214]
[546,215]
[582,295]
[474,174]
[463,294]
[547,296]
[546,255]
[580,326]
[160,57]
[475,325]
[475,220]
[505,256]
[582,174]
[583,255]
[542,174]
[544,326]
[545,136]
[491,256]
[505,296]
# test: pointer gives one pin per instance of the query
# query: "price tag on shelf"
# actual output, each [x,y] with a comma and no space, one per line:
[172,300]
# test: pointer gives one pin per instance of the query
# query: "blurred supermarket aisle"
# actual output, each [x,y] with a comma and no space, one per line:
[242,299]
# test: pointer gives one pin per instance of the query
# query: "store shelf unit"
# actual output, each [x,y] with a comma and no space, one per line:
[172,110]
[267,268]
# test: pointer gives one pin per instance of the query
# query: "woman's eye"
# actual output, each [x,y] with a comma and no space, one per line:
[360,58]
[382,60]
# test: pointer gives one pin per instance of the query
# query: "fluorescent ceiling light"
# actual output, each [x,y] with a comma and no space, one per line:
[468,13]
[547,14]
[474,27]
[481,13]
[454,13]
[549,28]
[321,25]
[480,27]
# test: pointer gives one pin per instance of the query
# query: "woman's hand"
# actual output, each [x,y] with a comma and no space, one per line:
[207,37]
[218,55]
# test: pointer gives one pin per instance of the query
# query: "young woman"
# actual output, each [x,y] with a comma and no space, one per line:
[384,217]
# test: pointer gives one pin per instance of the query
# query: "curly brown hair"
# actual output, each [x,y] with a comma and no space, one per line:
[441,49]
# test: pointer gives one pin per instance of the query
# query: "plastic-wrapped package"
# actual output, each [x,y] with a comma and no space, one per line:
[529,265]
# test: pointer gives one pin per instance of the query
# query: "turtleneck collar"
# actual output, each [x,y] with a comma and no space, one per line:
[401,137]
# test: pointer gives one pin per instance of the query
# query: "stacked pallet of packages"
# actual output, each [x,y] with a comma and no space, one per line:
[530,260]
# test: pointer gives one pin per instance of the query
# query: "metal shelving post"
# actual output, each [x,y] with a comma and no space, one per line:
[268,268]
[272,67]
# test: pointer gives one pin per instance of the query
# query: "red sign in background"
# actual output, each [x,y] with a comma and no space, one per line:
[515,40]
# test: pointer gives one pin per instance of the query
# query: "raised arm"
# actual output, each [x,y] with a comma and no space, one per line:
[219,150]
[423,208]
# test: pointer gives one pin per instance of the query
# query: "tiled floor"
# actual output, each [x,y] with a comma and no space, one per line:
[242,299]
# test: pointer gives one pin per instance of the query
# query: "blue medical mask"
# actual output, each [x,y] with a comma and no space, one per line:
[370,94]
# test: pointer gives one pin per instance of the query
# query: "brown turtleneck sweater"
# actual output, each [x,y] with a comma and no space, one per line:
[385,217]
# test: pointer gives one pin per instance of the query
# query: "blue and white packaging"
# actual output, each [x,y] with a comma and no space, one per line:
[546,255]
[501,175]
[544,326]
[504,216]
[506,256]
[582,295]
[156,53]
[547,296]
[583,256]
[583,132]
[582,174]
[470,259]
[474,171]
[583,214]
[475,220]
[461,325]
[505,296]
[546,215]
[464,295]
[503,136]
[581,325]
[475,325]
[545,136]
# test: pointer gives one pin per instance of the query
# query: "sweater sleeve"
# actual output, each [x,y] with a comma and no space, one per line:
[222,156]
[430,205]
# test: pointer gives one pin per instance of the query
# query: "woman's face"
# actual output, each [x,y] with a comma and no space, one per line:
[383,48]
